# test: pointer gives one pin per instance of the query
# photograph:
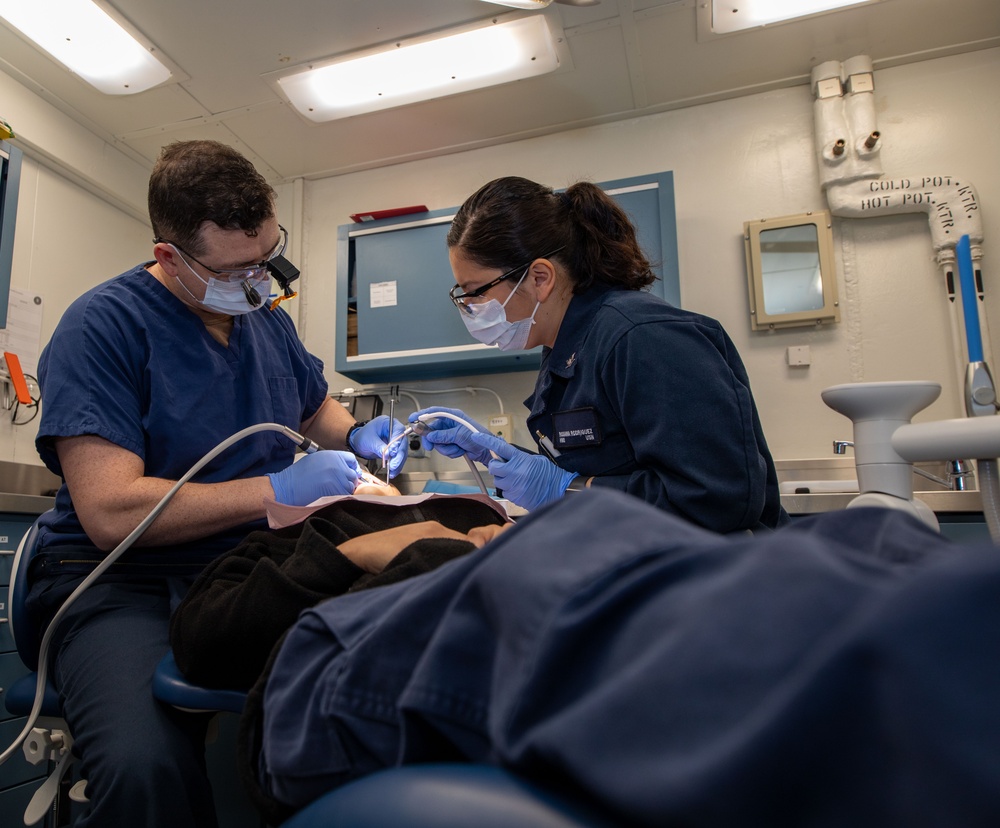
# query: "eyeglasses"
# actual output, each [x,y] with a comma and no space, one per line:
[239,274]
[461,300]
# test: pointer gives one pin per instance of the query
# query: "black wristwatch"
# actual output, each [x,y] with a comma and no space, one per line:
[351,431]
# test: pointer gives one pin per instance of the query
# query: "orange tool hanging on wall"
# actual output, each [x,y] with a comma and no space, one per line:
[17,378]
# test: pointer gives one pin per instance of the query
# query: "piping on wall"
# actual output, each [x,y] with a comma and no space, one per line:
[848,144]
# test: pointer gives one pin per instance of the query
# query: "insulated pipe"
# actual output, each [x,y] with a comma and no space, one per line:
[844,111]
[951,206]
[859,106]
[832,130]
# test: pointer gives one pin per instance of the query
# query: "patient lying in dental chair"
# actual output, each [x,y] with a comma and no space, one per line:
[240,605]
[841,671]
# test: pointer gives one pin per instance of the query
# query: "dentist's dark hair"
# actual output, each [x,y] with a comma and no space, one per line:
[197,181]
[512,220]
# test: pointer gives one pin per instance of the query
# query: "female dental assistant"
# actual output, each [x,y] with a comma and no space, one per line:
[633,394]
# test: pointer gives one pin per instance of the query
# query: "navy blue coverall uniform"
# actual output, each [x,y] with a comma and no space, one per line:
[654,401]
[839,671]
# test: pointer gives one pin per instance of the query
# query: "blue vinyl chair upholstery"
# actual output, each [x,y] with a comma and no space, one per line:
[170,687]
[168,684]
[21,694]
[444,796]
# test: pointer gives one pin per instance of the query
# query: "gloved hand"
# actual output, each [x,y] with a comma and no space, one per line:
[371,439]
[529,480]
[450,437]
[316,475]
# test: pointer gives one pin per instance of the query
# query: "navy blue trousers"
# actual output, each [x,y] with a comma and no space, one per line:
[843,670]
[144,762]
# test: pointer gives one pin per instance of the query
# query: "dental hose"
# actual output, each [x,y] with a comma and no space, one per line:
[989,485]
[301,442]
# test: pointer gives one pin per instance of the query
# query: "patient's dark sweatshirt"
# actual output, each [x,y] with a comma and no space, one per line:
[243,602]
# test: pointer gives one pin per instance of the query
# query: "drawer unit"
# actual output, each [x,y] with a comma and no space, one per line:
[11,669]
[14,801]
[12,529]
[17,769]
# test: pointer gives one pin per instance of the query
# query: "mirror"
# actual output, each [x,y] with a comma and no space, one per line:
[790,271]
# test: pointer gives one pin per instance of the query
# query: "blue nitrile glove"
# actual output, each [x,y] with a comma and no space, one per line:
[450,437]
[529,480]
[371,439]
[314,476]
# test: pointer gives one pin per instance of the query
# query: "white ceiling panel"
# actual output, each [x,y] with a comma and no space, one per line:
[627,58]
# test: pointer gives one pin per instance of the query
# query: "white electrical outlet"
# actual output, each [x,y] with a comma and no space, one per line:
[502,425]
[798,355]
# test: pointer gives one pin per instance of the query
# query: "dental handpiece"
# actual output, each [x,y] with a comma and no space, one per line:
[421,426]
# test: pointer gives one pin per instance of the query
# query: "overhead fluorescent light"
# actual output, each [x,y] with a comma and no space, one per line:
[85,38]
[522,4]
[735,15]
[484,54]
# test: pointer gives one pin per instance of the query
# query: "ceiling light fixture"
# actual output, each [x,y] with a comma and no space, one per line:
[472,57]
[735,15]
[521,4]
[106,52]
[541,4]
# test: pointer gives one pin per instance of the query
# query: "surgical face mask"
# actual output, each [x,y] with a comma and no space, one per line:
[487,322]
[230,298]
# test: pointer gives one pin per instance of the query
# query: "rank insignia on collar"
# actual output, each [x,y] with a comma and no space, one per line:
[570,361]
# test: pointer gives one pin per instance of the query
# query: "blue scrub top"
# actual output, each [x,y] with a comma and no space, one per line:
[130,363]
[656,402]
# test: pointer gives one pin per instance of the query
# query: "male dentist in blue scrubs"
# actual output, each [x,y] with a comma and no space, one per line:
[144,375]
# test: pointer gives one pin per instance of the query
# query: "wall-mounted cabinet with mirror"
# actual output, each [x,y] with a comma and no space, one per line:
[790,271]
[394,319]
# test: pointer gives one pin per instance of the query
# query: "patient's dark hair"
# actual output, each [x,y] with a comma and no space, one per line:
[197,181]
[511,221]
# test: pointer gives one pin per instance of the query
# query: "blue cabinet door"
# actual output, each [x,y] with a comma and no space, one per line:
[393,276]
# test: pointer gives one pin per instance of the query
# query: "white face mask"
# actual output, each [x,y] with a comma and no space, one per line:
[231,298]
[487,322]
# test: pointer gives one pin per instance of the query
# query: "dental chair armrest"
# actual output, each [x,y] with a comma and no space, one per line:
[170,687]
